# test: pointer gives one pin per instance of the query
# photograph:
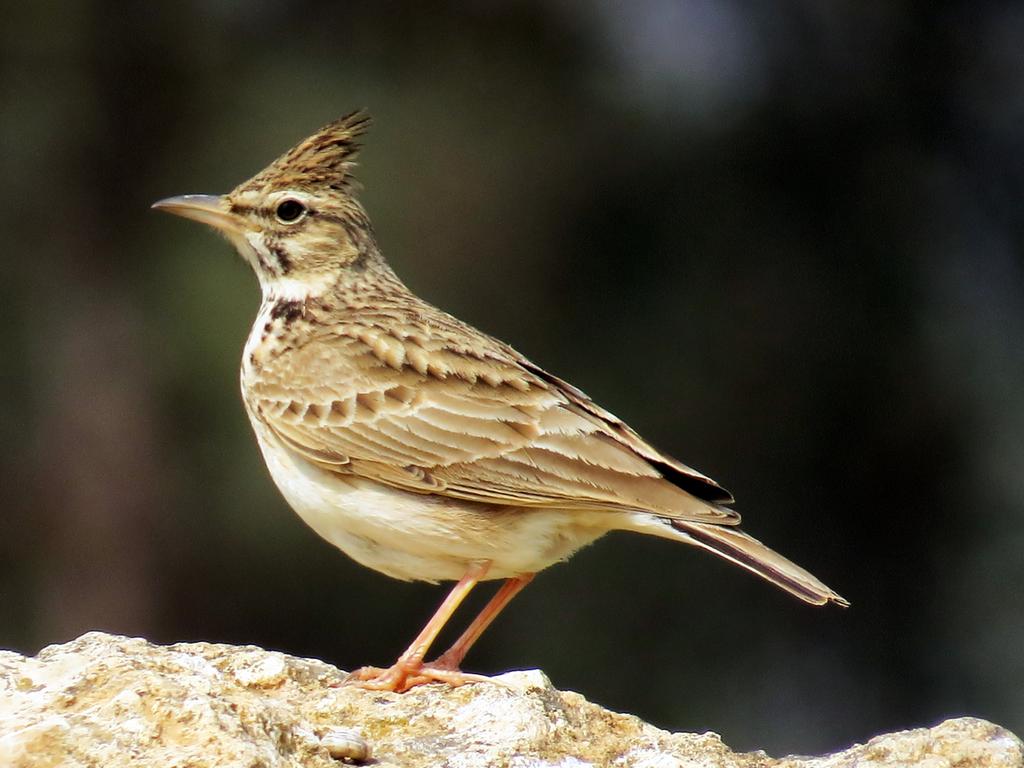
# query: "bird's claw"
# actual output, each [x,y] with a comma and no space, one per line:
[403,676]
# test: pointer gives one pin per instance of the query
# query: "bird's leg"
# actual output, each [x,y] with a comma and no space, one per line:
[452,658]
[409,670]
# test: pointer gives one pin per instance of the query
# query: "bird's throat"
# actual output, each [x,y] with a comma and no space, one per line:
[295,289]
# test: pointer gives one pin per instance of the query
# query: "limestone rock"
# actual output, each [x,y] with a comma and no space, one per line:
[112,701]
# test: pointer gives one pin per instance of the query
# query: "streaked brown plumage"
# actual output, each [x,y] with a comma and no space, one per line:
[415,443]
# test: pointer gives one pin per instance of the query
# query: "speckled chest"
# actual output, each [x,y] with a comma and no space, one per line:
[280,326]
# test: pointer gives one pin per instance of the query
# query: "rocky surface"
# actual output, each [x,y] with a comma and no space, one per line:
[112,701]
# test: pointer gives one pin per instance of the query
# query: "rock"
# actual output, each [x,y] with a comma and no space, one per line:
[112,701]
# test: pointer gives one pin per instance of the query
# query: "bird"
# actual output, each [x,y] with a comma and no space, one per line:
[418,445]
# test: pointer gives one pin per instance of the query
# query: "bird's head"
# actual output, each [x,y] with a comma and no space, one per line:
[296,222]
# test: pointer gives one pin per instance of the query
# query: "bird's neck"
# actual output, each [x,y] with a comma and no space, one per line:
[349,290]
[296,289]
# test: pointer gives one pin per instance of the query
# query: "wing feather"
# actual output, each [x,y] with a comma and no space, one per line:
[482,425]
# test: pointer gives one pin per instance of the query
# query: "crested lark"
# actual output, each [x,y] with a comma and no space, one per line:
[418,445]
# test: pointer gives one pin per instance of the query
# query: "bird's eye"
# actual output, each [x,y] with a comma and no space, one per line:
[289,211]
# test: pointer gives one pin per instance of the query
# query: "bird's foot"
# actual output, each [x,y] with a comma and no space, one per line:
[404,675]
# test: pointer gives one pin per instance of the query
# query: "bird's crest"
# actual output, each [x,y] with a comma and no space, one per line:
[325,159]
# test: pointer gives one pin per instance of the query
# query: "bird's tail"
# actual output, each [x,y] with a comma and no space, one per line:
[747,552]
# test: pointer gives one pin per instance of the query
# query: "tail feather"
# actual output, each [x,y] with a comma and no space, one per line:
[747,552]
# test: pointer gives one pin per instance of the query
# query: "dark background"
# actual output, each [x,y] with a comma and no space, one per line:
[783,240]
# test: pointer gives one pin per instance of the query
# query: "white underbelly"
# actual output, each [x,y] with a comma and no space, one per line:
[424,537]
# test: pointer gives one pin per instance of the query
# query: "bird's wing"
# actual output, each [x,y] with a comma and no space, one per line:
[485,425]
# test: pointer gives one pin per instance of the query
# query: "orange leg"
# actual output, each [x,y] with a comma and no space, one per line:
[452,658]
[410,670]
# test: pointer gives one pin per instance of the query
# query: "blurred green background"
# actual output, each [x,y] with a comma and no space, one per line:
[782,239]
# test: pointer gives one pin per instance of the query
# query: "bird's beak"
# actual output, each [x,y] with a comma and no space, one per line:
[209,209]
